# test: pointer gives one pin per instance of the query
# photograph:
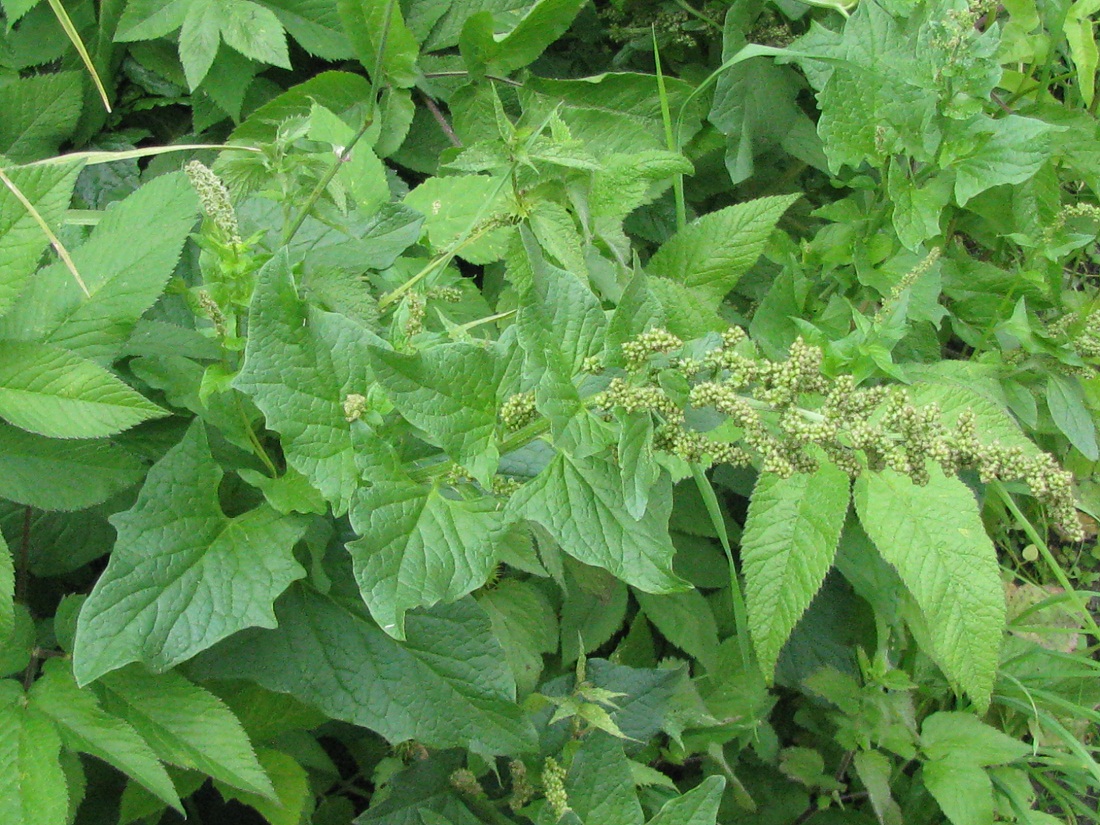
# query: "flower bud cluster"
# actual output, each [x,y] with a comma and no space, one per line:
[787,413]
[1085,341]
[637,350]
[553,787]
[354,406]
[214,200]
[416,307]
[1072,210]
[518,411]
[450,294]
[907,280]
[522,789]
[214,312]
[465,782]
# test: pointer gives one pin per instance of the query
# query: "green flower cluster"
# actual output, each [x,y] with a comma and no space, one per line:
[522,789]
[518,411]
[553,787]
[465,782]
[788,414]
[214,200]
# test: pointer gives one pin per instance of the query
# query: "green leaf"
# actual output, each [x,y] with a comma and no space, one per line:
[1079,31]
[600,786]
[39,113]
[15,9]
[254,31]
[186,726]
[580,502]
[638,467]
[543,23]
[365,24]
[199,39]
[935,538]
[150,19]
[22,241]
[1008,150]
[686,620]
[33,790]
[470,199]
[419,548]
[1070,413]
[699,806]
[291,783]
[300,365]
[525,624]
[712,253]
[791,536]
[184,576]
[874,770]
[963,791]
[123,278]
[963,737]
[315,24]
[592,610]
[448,685]
[55,393]
[7,590]
[423,788]
[87,728]
[50,474]
[627,181]
[449,392]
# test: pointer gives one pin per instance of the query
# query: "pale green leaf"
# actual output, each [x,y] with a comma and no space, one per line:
[33,790]
[448,685]
[791,535]
[150,19]
[638,467]
[470,200]
[39,113]
[599,784]
[935,538]
[874,770]
[1008,150]
[419,547]
[627,181]
[185,726]
[1080,35]
[526,626]
[51,474]
[300,366]
[544,22]
[963,791]
[200,36]
[15,9]
[22,241]
[316,25]
[87,728]
[699,806]
[449,392]
[254,31]
[1066,403]
[55,393]
[365,24]
[123,278]
[713,252]
[580,502]
[292,790]
[7,590]
[963,737]
[184,576]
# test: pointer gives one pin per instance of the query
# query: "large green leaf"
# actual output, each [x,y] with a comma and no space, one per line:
[934,536]
[449,392]
[55,393]
[964,791]
[544,22]
[51,474]
[294,799]
[366,26]
[22,241]
[33,790]
[39,113]
[699,806]
[300,366]
[712,253]
[124,277]
[790,539]
[686,620]
[963,737]
[184,576]
[599,785]
[526,626]
[419,547]
[185,726]
[448,685]
[247,27]
[1008,150]
[87,728]
[581,503]
[316,25]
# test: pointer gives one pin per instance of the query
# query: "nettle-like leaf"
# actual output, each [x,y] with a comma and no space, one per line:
[599,785]
[185,725]
[39,113]
[300,366]
[935,538]
[525,624]
[7,590]
[580,502]
[712,253]
[33,790]
[87,728]
[544,22]
[53,392]
[247,27]
[447,391]
[699,806]
[419,547]
[447,685]
[183,575]
[22,241]
[366,26]
[123,277]
[791,536]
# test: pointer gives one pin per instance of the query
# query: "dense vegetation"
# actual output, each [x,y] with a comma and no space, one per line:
[432,413]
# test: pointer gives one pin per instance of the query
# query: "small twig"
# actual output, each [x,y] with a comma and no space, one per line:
[441,119]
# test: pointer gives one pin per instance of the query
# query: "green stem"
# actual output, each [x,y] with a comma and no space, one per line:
[257,447]
[670,138]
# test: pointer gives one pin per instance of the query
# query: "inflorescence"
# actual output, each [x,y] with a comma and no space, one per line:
[788,416]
